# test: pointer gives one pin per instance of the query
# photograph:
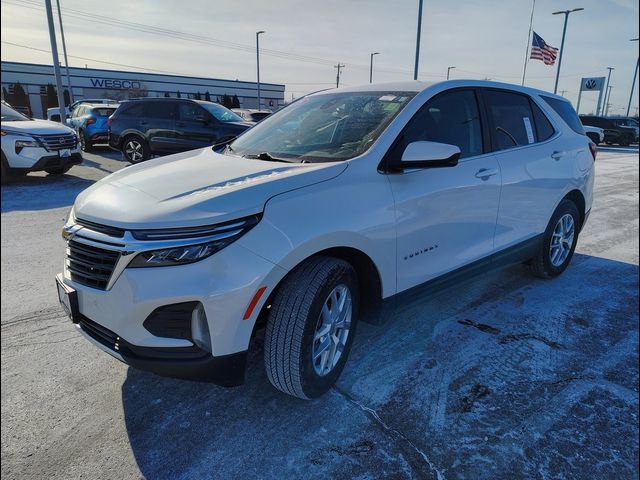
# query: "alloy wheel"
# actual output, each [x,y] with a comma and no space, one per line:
[133,150]
[562,240]
[332,330]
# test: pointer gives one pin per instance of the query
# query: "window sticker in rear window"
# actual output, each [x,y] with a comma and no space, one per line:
[527,127]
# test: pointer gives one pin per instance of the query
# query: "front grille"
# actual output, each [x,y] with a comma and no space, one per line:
[106,229]
[58,141]
[89,265]
[99,333]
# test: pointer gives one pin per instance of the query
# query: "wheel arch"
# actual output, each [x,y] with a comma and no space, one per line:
[369,283]
[577,197]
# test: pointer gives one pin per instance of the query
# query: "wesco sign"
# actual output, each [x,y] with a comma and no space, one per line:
[115,83]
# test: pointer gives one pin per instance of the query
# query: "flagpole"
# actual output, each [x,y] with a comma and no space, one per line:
[526,55]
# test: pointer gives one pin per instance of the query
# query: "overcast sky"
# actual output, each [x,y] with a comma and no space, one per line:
[304,39]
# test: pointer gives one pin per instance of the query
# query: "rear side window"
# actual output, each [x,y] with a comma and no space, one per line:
[131,110]
[451,117]
[512,119]
[160,110]
[103,112]
[544,129]
[566,112]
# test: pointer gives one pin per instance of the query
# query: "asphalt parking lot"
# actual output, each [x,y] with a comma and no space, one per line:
[504,376]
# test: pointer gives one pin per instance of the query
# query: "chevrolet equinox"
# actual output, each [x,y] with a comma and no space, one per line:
[320,215]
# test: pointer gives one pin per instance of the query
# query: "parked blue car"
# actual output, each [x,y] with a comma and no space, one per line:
[90,121]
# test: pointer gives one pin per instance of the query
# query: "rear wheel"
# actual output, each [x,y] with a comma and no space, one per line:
[135,149]
[311,326]
[85,145]
[559,242]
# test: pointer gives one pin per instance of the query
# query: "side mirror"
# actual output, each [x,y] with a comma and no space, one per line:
[429,155]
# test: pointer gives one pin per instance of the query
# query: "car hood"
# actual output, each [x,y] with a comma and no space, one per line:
[36,127]
[194,188]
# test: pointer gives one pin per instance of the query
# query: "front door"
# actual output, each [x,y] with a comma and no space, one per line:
[445,217]
[196,127]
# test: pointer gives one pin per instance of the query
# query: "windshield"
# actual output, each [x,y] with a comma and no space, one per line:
[10,115]
[221,113]
[327,127]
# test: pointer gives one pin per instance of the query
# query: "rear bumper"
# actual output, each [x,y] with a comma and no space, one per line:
[190,363]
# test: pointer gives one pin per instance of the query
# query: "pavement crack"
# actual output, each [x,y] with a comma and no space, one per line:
[530,336]
[371,413]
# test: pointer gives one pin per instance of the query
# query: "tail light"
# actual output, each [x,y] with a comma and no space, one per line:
[91,121]
[594,150]
[109,122]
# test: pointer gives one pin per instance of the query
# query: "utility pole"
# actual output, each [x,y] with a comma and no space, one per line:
[633,83]
[606,88]
[56,64]
[415,68]
[564,33]
[371,66]
[258,64]
[449,70]
[339,66]
[64,52]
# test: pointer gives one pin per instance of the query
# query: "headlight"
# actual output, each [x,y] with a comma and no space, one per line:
[213,238]
[20,144]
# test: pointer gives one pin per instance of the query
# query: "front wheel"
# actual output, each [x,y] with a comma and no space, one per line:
[311,326]
[135,149]
[559,242]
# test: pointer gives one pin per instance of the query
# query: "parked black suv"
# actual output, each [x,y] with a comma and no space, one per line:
[142,127]
[612,133]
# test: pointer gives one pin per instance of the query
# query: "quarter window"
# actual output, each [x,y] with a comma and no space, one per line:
[451,117]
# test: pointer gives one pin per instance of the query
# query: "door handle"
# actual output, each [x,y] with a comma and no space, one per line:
[485,173]
[557,155]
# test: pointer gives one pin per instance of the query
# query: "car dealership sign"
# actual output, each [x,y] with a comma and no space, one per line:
[114,83]
[591,84]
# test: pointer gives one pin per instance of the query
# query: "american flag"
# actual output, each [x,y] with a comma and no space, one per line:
[541,51]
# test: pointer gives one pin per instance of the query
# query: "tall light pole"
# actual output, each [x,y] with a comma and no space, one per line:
[607,102]
[258,64]
[606,88]
[56,64]
[371,66]
[633,83]
[449,70]
[64,52]
[415,68]
[339,66]
[564,33]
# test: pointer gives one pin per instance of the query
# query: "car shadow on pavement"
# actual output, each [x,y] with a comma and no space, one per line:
[500,376]
[37,192]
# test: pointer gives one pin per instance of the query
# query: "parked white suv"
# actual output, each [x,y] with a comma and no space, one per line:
[318,216]
[31,145]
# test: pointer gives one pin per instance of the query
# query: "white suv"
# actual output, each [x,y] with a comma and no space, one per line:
[318,216]
[30,145]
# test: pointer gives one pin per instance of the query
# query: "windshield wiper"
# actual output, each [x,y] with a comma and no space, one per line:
[268,157]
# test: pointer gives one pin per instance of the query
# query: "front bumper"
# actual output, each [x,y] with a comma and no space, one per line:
[186,363]
[224,284]
[32,159]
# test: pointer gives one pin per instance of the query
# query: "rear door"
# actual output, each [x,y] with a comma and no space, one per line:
[445,217]
[158,124]
[196,128]
[536,165]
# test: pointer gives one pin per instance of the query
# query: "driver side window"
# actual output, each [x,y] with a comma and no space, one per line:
[450,117]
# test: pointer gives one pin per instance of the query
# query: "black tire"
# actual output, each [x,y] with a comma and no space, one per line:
[57,170]
[292,323]
[85,146]
[135,149]
[541,265]
[5,176]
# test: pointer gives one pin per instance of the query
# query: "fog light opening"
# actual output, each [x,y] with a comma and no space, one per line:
[200,328]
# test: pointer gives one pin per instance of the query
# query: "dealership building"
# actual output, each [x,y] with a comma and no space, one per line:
[36,80]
